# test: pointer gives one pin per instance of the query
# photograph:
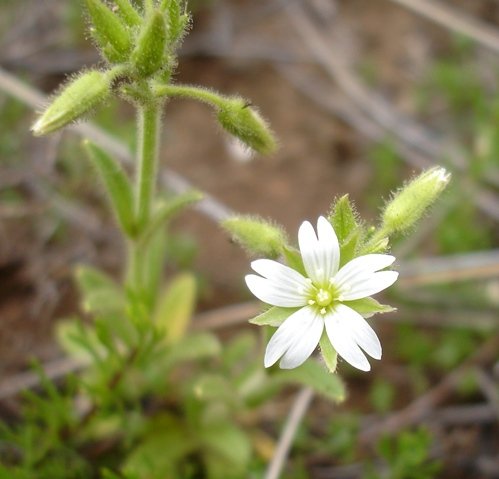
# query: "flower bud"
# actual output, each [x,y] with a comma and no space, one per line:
[77,98]
[112,36]
[411,201]
[148,56]
[257,235]
[239,119]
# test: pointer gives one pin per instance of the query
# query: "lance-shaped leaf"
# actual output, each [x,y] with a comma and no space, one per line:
[328,353]
[117,186]
[273,316]
[167,210]
[175,307]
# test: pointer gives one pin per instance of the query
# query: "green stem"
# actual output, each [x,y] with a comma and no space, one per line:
[192,92]
[148,121]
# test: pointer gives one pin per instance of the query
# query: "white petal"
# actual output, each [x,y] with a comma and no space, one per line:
[362,333]
[320,254]
[365,286]
[342,338]
[301,349]
[303,326]
[274,294]
[361,266]
[281,275]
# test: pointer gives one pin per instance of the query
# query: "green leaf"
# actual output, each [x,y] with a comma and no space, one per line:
[316,376]
[167,210]
[195,346]
[239,348]
[343,218]
[228,450]
[158,455]
[368,307]
[175,307]
[329,354]
[273,316]
[100,294]
[78,341]
[117,186]
[151,267]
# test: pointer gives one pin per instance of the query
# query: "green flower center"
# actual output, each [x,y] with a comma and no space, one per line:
[322,297]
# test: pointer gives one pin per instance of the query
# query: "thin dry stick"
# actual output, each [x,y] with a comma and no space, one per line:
[423,405]
[413,136]
[169,179]
[454,20]
[300,407]
[489,389]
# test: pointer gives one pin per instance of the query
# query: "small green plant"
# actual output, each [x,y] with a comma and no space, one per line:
[406,456]
[154,399]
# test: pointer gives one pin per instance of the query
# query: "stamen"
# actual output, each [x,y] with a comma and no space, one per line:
[311,302]
[323,311]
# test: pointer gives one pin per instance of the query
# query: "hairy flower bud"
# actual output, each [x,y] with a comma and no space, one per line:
[257,235]
[410,202]
[239,119]
[77,98]
[148,55]
[112,36]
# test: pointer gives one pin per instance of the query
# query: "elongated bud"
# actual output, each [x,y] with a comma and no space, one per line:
[239,119]
[177,21]
[411,201]
[149,53]
[77,98]
[257,235]
[112,36]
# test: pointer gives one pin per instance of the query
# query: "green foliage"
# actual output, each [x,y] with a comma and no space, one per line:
[382,394]
[407,456]
[175,307]
[117,186]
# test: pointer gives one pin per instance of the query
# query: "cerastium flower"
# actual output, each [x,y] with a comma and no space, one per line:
[325,297]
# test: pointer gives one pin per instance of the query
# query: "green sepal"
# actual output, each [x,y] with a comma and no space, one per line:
[273,316]
[128,13]
[77,98]
[368,307]
[350,245]
[178,21]
[148,55]
[167,210]
[314,375]
[256,235]
[293,259]
[344,218]
[100,293]
[176,305]
[328,353]
[117,185]
[113,37]
[244,122]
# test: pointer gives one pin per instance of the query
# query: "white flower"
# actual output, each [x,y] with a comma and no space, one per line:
[322,297]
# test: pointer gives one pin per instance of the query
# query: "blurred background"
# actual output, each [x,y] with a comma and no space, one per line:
[361,94]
